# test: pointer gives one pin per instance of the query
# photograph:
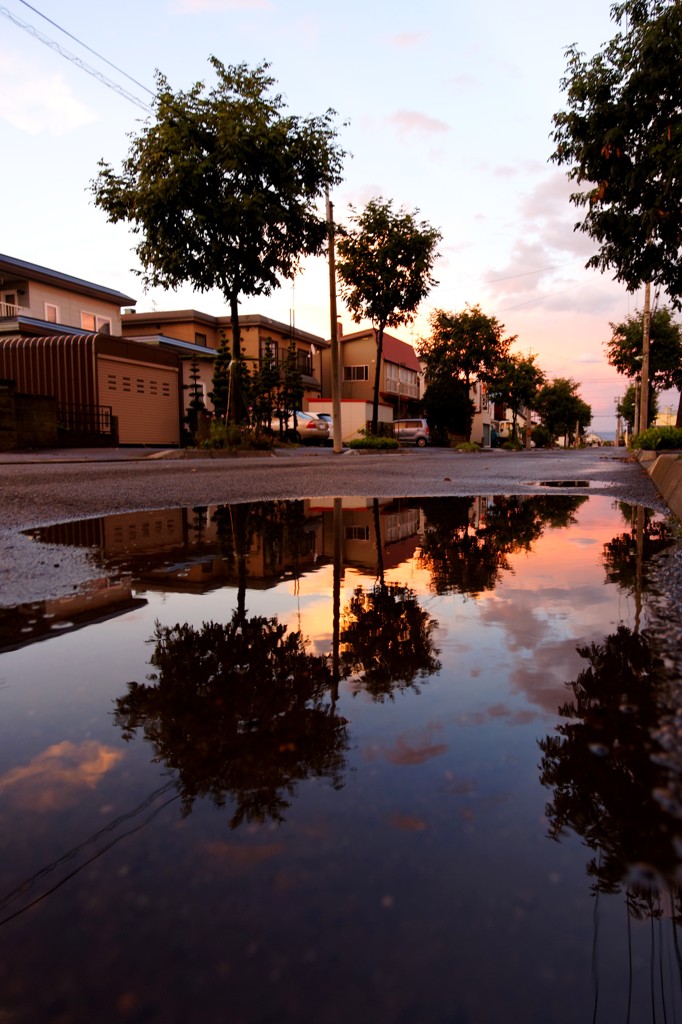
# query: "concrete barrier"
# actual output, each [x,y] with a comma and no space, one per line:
[665,471]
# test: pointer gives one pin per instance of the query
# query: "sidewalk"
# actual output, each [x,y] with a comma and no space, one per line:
[83,455]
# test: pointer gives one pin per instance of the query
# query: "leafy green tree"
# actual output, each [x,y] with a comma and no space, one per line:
[223,186]
[384,263]
[449,409]
[624,352]
[466,346]
[560,408]
[627,406]
[291,392]
[515,384]
[621,138]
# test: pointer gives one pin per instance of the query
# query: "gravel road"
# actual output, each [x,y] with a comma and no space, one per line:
[37,493]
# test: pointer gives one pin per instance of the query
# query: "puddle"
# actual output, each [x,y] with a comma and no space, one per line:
[390,760]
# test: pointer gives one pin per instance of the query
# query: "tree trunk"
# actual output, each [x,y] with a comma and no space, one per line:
[377,378]
[470,417]
[234,407]
[678,421]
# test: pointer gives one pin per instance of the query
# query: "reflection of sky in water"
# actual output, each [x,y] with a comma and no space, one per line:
[424,888]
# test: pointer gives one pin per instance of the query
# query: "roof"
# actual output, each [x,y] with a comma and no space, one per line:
[170,316]
[393,350]
[181,347]
[9,265]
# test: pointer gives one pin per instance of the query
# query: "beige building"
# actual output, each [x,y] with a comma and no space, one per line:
[400,372]
[192,334]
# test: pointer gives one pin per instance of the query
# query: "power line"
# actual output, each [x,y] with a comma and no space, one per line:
[86,47]
[53,45]
[527,273]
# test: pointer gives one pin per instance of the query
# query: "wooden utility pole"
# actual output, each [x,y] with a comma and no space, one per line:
[334,334]
[646,332]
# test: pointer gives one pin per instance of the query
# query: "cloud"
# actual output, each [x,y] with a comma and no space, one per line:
[413,122]
[55,778]
[39,104]
[407,40]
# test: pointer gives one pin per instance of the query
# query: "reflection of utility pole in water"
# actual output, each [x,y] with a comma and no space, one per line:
[639,540]
[238,518]
[377,540]
[338,571]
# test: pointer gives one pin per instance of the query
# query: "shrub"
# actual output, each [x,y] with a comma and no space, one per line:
[467,446]
[372,443]
[657,439]
[542,437]
[231,436]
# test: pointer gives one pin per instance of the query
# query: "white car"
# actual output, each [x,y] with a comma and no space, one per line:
[308,429]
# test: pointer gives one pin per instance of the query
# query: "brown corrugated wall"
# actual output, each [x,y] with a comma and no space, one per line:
[62,365]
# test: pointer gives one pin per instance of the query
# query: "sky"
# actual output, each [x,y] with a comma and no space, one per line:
[443,107]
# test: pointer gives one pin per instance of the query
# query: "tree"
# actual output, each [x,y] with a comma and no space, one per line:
[384,264]
[621,135]
[515,384]
[560,408]
[624,352]
[465,346]
[196,402]
[223,187]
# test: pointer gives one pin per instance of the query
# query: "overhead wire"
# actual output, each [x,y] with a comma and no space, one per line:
[54,45]
[86,47]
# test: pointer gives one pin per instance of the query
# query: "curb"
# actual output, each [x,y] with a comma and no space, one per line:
[665,471]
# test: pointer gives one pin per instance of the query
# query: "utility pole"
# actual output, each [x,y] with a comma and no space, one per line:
[646,331]
[334,335]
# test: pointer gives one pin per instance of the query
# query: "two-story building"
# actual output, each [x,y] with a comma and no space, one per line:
[400,372]
[195,337]
[60,336]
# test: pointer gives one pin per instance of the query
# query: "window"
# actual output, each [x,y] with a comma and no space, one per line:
[51,313]
[268,345]
[357,533]
[356,373]
[92,322]
[199,339]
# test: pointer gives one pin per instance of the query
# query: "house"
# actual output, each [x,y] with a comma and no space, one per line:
[35,299]
[60,336]
[399,381]
[196,336]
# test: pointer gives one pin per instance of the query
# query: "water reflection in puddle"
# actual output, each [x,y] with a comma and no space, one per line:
[304,761]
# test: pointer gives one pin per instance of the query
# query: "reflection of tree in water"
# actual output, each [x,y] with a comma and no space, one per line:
[238,710]
[386,639]
[623,556]
[602,768]
[469,557]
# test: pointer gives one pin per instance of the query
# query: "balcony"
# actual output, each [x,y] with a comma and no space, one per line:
[406,389]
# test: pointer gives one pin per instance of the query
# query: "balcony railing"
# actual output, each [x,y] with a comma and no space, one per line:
[401,387]
[9,311]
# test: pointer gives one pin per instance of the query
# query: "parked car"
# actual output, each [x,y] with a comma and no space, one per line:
[412,431]
[326,417]
[309,429]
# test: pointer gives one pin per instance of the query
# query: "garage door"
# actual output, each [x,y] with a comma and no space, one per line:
[145,399]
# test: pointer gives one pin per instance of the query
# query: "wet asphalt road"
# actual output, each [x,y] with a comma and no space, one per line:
[55,487]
